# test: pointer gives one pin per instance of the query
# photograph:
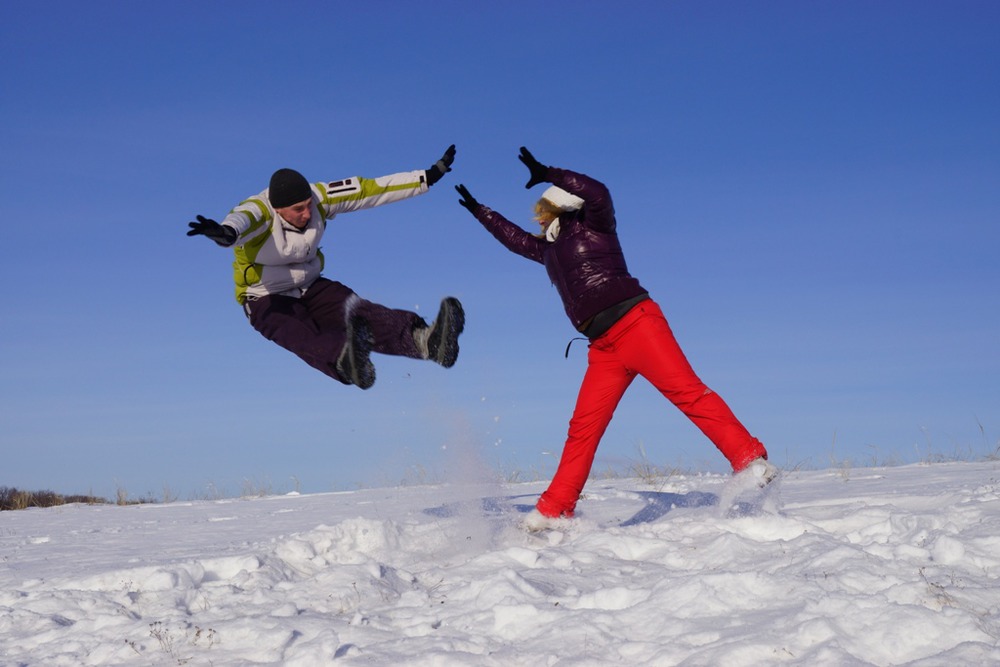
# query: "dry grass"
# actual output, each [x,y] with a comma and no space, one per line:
[15,499]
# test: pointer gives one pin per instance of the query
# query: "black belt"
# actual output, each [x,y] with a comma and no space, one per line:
[598,325]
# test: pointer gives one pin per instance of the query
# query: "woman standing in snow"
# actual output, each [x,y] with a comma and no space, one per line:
[628,334]
[276,235]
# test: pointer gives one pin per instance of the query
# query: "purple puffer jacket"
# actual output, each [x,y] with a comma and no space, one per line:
[585,262]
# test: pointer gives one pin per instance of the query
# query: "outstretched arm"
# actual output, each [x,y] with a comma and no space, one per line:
[358,193]
[510,235]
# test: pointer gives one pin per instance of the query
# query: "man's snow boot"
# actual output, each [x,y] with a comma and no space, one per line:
[439,341]
[354,364]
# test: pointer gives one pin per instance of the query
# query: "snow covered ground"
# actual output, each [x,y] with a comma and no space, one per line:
[886,566]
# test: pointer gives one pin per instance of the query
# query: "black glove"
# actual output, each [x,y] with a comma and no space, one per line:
[539,172]
[467,200]
[224,235]
[441,167]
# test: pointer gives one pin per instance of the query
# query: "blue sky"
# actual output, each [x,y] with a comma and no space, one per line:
[811,191]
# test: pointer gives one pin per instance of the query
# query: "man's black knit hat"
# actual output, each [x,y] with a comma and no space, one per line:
[288,187]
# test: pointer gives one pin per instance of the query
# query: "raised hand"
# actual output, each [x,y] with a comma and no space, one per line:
[441,167]
[539,172]
[467,200]
[221,234]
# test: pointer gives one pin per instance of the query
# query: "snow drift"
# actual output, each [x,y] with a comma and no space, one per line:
[888,566]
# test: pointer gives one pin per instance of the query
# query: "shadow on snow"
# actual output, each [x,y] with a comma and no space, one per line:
[657,505]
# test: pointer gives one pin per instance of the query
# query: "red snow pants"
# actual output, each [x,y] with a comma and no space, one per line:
[640,343]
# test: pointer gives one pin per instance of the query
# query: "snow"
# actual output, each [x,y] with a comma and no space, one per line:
[880,566]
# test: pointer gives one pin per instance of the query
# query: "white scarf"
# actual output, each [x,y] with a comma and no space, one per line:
[552,231]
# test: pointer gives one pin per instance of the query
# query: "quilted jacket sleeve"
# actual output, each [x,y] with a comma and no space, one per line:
[600,212]
[510,235]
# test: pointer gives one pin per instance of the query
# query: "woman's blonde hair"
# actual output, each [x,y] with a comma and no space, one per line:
[545,211]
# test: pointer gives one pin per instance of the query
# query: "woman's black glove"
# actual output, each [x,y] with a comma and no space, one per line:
[224,235]
[441,167]
[539,172]
[467,200]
